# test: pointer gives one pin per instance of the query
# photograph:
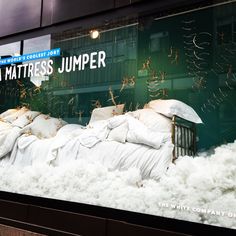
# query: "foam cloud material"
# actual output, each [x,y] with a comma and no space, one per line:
[204,182]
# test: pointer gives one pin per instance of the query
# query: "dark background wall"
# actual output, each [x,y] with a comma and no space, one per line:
[22,15]
[17,16]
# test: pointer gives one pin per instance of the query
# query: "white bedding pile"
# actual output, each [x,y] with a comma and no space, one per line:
[113,163]
[142,148]
[204,183]
[20,123]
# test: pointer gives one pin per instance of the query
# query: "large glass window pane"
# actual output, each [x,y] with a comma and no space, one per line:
[11,49]
[9,96]
[187,56]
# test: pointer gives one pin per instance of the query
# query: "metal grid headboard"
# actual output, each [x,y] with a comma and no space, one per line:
[183,137]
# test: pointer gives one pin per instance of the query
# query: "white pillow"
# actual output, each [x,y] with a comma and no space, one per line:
[15,114]
[153,120]
[172,107]
[116,121]
[139,133]
[119,133]
[7,113]
[105,113]
[44,126]
[25,119]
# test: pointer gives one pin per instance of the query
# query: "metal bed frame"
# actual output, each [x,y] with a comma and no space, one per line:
[183,137]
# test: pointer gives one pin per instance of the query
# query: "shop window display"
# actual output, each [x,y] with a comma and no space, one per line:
[140,117]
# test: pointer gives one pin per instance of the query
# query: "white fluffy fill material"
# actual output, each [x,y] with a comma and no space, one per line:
[200,183]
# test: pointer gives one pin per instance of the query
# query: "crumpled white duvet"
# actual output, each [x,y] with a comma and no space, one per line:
[137,132]
[74,142]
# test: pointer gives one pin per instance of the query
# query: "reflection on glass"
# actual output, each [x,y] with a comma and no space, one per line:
[11,49]
[38,44]
[189,57]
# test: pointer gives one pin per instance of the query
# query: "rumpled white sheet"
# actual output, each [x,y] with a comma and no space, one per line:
[151,162]
[67,142]
[30,149]
[11,124]
[65,146]
[8,136]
